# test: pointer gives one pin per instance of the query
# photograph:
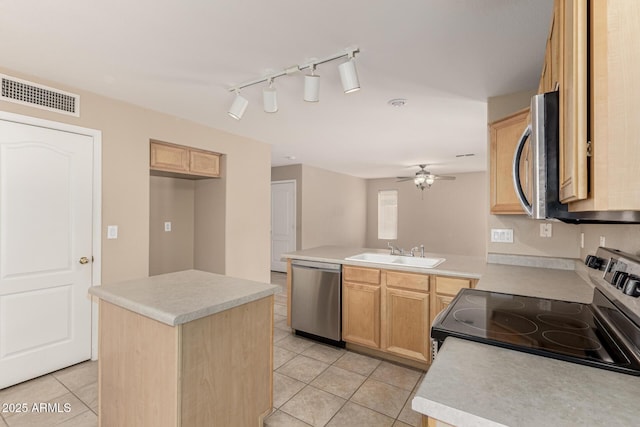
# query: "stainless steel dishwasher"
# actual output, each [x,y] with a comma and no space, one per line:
[316,300]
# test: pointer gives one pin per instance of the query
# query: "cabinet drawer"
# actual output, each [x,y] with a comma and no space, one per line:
[416,282]
[451,285]
[361,274]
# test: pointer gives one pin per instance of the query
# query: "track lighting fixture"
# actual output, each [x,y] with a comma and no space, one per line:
[238,107]
[270,98]
[312,86]
[348,76]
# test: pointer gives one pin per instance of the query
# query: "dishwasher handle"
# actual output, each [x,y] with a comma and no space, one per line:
[315,265]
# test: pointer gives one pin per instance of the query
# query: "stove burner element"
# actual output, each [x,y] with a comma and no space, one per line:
[562,321]
[500,322]
[503,303]
[572,341]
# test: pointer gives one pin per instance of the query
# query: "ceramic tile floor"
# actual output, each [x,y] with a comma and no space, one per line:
[314,385]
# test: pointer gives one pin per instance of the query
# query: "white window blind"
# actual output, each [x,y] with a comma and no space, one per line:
[388,214]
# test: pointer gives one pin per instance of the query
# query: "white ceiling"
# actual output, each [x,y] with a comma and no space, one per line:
[446,57]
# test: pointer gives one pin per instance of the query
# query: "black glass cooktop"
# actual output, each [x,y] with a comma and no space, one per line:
[559,329]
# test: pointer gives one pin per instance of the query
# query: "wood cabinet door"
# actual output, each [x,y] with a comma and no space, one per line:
[505,135]
[170,158]
[406,324]
[442,301]
[573,100]
[361,314]
[204,163]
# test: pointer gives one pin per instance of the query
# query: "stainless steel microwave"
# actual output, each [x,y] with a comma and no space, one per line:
[543,201]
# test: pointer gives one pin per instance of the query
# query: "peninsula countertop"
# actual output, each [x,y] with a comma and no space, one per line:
[184,296]
[454,265]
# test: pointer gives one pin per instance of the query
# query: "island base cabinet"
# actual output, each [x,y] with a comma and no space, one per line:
[213,371]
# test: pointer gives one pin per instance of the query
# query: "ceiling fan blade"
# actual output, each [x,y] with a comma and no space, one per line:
[404,178]
[444,177]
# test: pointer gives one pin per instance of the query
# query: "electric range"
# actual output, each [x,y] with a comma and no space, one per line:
[604,334]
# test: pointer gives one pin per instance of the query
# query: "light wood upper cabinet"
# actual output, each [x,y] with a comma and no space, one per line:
[185,162]
[170,158]
[505,135]
[614,107]
[571,19]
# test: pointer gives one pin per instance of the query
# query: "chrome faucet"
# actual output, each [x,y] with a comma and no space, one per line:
[421,249]
[395,250]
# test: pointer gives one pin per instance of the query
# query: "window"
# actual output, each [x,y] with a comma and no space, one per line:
[388,214]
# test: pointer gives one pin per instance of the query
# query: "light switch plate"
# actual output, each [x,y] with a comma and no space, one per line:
[167,226]
[112,232]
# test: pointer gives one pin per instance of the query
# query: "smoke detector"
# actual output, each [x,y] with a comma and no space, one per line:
[397,102]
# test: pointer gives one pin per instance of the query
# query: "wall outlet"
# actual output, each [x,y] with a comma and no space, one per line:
[167,226]
[602,242]
[112,232]
[502,235]
[546,229]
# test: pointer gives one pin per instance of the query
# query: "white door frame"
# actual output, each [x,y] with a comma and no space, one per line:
[295,210]
[96,269]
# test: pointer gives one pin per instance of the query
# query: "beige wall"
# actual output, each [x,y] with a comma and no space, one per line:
[170,199]
[446,218]
[292,173]
[126,130]
[526,232]
[209,212]
[333,209]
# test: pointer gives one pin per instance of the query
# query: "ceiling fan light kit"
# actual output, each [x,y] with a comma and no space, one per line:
[425,179]
[348,77]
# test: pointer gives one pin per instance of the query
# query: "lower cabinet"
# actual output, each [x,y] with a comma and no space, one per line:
[361,314]
[406,324]
[392,311]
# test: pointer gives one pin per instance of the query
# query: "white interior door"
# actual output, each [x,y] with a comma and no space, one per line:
[45,230]
[283,222]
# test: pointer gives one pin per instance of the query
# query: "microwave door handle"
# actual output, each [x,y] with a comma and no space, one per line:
[526,205]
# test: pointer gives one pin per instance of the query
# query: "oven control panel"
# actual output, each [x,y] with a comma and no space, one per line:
[621,271]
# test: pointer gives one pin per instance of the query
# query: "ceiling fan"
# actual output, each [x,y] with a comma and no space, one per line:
[424,179]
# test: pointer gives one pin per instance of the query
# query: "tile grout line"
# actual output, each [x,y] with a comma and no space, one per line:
[76,396]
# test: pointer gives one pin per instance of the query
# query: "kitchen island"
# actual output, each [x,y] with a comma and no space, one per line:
[189,348]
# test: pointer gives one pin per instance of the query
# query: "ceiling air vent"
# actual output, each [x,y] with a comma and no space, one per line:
[34,95]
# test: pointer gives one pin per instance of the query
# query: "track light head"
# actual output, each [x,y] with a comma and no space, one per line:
[312,86]
[270,98]
[349,76]
[238,107]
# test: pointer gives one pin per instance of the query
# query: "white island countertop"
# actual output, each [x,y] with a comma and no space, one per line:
[184,296]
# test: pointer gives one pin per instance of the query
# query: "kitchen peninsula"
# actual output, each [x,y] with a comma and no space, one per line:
[169,346]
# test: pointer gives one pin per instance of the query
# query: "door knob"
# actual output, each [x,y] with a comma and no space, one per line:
[84,260]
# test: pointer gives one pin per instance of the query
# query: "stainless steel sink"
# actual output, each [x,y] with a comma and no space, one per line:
[406,261]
